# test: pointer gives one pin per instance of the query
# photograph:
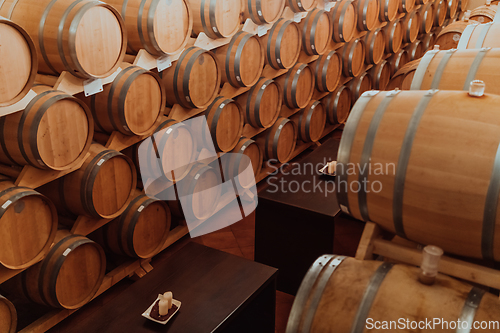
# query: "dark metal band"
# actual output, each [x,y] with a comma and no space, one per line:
[277,47]
[122,97]
[41,40]
[474,67]
[187,74]
[111,94]
[416,84]
[16,197]
[139,25]
[60,36]
[121,225]
[133,223]
[470,308]
[269,42]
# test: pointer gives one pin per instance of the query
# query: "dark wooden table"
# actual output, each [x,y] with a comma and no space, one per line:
[219,292]
[297,217]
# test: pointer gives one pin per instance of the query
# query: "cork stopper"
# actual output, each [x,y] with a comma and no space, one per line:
[476,88]
[431,255]
[467,16]
[436,48]
[488,2]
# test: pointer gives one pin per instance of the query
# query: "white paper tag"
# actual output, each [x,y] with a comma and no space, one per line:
[163,63]
[261,30]
[92,87]
[100,162]
[6,204]
[141,208]
[329,5]
[297,17]
[65,254]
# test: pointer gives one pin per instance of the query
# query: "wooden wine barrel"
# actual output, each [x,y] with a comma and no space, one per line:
[19,62]
[473,4]
[353,58]
[337,105]
[327,71]
[452,10]
[403,77]
[298,6]
[398,60]
[428,41]
[53,132]
[237,163]
[159,27]
[484,14]
[426,18]
[479,36]
[455,70]
[381,75]
[344,20]
[263,11]
[225,122]
[242,60]
[278,142]
[194,80]
[415,50]
[373,291]
[440,9]
[70,35]
[462,5]
[140,232]
[8,316]
[411,26]
[171,149]
[262,103]
[375,46]
[393,33]
[216,18]
[200,193]
[406,6]
[297,86]
[310,121]
[449,37]
[434,207]
[131,104]
[282,44]
[101,188]
[368,11]
[388,10]
[28,225]
[58,281]
[359,85]
[317,29]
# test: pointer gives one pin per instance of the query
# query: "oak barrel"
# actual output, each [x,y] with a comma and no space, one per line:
[411,26]
[282,44]
[8,316]
[375,46]
[403,77]
[337,105]
[140,232]
[298,6]
[159,27]
[415,50]
[278,142]
[368,11]
[225,122]
[373,290]
[242,60]
[167,153]
[431,196]
[452,8]
[19,62]
[28,225]
[426,18]
[131,104]
[455,70]
[353,58]
[194,80]
[462,5]
[393,33]
[263,11]
[381,75]
[216,18]
[310,121]
[449,37]
[53,132]
[428,41]
[440,8]
[262,103]
[398,60]
[406,6]
[71,35]
[388,10]
[68,277]
[317,29]
[344,18]
[479,36]
[484,14]
[359,85]
[101,188]
[246,151]
[327,71]
[297,86]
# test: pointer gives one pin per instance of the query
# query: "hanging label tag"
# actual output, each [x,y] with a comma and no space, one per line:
[329,5]
[261,30]
[92,87]
[297,17]
[163,63]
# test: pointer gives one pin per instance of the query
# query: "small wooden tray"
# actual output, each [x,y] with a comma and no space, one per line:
[148,311]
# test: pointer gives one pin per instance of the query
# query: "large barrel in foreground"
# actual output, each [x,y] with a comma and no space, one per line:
[71,35]
[405,163]
[482,35]
[373,291]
